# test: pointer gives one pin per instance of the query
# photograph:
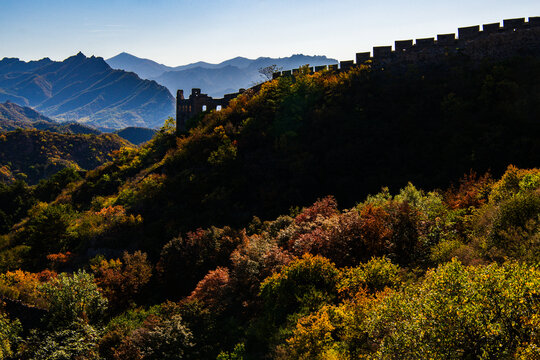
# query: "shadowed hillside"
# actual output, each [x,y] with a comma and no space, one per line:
[346,134]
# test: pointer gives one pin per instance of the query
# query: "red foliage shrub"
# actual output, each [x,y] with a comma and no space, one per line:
[121,280]
[348,238]
[60,259]
[325,207]
[184,261]
[212,289]
[253,261]
[472,191]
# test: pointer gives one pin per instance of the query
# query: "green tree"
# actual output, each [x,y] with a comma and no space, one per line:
[47,231]
[458,312]
[302,286]
[76,341]
[9,336]
[73,297]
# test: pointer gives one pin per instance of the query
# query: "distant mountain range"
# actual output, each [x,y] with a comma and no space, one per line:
[214,79]
[86,90]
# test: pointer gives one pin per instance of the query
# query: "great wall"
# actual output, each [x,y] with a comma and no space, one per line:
[514,37]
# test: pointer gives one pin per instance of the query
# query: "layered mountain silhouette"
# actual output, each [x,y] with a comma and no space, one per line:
[86,90]
[214,79]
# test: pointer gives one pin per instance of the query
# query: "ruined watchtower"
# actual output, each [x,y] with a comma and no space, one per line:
[197,103]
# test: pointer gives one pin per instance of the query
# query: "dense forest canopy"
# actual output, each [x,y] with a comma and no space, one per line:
[365,214]
[33,155]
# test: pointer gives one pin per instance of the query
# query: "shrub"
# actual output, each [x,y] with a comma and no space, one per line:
[374,275]
[459,312]
[73,297]
[302,286]
[9,336]
[121,280]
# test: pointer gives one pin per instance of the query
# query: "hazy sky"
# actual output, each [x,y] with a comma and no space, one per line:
[184,31]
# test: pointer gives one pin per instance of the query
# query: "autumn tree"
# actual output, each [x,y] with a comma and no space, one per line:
[122,279]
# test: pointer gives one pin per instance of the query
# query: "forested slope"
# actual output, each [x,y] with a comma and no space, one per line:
[255,235]
[32,155]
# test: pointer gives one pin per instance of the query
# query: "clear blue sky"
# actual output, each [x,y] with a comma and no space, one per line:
[184,31]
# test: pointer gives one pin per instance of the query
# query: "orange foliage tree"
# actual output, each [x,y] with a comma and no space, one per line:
[121,280]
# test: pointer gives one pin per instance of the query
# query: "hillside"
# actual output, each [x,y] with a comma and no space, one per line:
[382,212]
[340,134]
[70,128]
[33,155]
[326,133]
[13,116]
[85,90]
[215,79]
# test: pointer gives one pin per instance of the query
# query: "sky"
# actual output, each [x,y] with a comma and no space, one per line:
[184,31]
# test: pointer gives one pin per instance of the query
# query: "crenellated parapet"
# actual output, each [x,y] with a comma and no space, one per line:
[476,41]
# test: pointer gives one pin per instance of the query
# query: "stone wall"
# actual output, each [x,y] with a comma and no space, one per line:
[515,36]
[197,103]
[489,40]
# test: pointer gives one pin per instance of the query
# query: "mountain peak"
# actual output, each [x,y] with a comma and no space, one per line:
[124,55]
[78,57]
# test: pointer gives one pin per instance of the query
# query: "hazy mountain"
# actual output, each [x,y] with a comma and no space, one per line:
[239,62]
[86,90]
[145,68]
[148,69]
[214,82]
[214,79]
